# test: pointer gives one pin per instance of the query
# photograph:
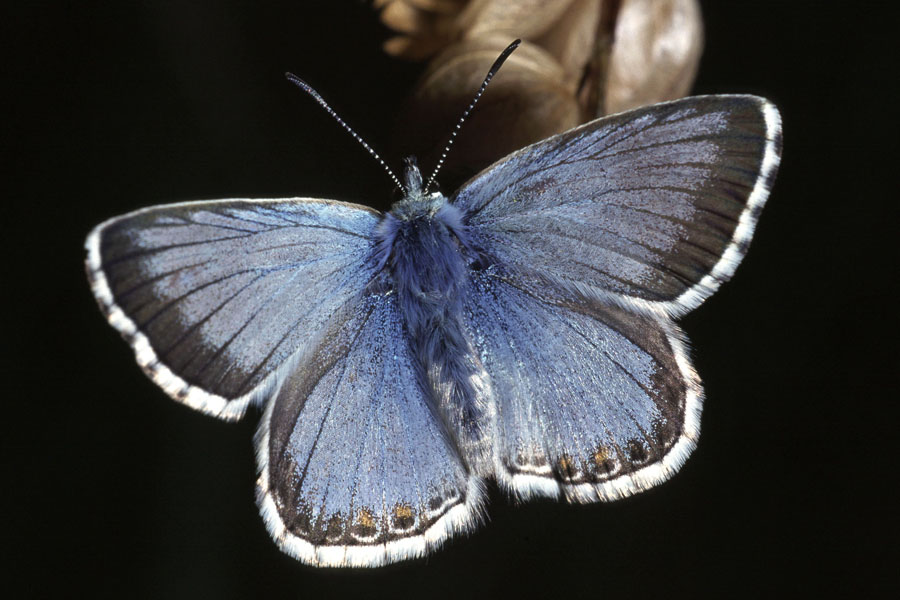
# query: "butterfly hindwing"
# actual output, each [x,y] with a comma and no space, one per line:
[657,205]
[215,297]
[355,468]
[592,402]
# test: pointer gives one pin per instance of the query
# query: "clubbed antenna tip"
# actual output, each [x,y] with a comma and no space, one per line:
[490,75]
[309,90]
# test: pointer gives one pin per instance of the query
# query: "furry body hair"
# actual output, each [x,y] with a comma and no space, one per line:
[423,244]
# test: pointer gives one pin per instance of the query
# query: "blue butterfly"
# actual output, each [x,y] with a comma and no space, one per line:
[521,329]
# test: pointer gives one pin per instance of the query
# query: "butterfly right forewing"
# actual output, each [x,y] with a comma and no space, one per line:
[655,206]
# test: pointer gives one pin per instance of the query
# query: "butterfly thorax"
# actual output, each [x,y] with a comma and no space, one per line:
[422,244]
[422,241]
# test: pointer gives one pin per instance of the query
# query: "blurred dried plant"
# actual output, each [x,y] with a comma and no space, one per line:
[579,59]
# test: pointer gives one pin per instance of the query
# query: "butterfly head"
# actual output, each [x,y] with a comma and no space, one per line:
[418,214]
[416,203]
[412,178]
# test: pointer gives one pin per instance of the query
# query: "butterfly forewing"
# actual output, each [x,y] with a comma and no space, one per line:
[656,205]
[355,467]
[215,297]
[592,401]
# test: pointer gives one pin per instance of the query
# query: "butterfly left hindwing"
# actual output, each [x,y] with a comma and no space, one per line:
[355,468]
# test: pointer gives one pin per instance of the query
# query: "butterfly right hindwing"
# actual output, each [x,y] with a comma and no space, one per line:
[593,402]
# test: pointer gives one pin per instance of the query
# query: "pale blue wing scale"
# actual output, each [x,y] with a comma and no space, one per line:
[592,402]
[217,297]
[655,205]
[355,469]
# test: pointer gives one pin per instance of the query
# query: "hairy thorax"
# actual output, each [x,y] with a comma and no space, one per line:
[427,255]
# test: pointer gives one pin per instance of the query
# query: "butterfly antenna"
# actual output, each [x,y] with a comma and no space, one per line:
[309,90]
[490,75]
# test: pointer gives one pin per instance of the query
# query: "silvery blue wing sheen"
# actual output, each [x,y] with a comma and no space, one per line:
[520,330]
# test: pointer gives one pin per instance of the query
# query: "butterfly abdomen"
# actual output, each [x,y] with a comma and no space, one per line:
[422,242]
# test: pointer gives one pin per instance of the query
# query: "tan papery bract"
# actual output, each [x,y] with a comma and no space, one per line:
[526,19]
[529,100]
[579,59]
[427,26]
[655,54]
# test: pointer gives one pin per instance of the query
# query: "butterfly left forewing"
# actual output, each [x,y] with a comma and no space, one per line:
[592,402]
[355,468]
[216,297]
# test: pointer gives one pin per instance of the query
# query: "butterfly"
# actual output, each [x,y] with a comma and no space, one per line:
[519,330]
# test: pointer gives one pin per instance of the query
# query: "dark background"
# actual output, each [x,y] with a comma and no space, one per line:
[119,491]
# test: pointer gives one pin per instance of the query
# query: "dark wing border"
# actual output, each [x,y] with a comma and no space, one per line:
[462,518]
[734,253]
